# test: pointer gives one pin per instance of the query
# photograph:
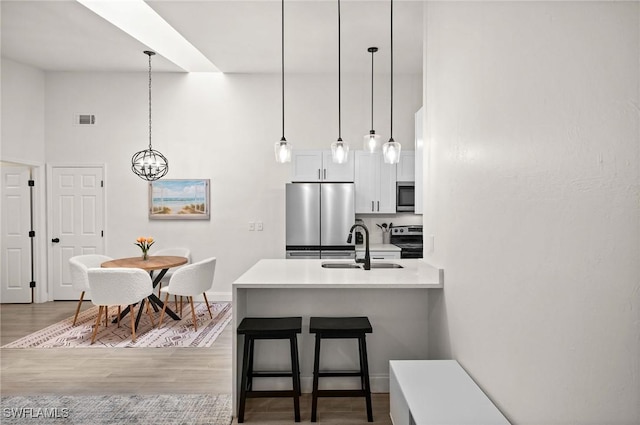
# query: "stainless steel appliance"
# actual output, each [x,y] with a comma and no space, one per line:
[405,196]
[408,239]
[318,219]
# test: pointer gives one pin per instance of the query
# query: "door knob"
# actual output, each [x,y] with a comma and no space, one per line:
[55,240]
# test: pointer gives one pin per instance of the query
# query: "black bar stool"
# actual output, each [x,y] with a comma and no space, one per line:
[341,328]
[254,328]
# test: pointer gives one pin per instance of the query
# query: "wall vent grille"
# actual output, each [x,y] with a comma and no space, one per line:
[84,119]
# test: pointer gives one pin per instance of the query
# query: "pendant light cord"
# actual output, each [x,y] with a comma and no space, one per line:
[339,81]
[372,52]
[150,54]
[282,139]
[391,124]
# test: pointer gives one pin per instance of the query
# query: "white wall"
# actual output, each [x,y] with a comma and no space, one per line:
[22,113]
[532,193]
[221,127]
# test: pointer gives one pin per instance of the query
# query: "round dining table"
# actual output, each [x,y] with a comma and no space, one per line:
[151,264]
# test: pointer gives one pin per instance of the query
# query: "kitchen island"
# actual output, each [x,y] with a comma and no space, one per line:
[395,300]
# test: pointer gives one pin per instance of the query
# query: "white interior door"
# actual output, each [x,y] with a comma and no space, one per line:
[16,243]
[77,218]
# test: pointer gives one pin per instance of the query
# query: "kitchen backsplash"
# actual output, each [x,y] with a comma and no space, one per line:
[398,219]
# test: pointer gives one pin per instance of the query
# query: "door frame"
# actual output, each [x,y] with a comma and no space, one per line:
[40,294]
[47,242]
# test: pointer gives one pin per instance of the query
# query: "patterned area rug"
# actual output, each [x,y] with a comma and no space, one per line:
[173,333]
[186,409]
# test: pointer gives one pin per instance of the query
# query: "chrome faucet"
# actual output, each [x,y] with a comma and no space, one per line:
[367,258]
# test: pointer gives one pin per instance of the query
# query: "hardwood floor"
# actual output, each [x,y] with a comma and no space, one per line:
[98,371]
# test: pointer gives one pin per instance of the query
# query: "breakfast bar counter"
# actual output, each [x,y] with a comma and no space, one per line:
[394,300]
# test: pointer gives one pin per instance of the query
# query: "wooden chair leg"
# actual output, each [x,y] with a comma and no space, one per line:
[132,313]
[95,327]
[106,316]
[164,307]
[78,308]
[118,318]
[153,324]
[207,302]
[193,314]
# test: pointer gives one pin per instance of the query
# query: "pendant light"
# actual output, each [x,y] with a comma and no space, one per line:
[391,149]
[283,148]
[149,164]
[372,140]
[339,149]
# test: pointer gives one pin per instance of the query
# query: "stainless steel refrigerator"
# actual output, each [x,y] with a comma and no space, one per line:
[319,217]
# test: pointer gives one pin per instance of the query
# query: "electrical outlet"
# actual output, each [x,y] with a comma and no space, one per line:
[259,226]
[252,226]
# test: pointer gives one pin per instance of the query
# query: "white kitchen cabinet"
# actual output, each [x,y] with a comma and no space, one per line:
[318,166]
[375,184]
[419,157]
[406,168]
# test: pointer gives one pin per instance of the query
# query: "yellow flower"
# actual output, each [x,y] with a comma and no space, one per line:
[150,240]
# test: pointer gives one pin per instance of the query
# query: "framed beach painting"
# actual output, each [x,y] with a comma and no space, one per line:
[179,199]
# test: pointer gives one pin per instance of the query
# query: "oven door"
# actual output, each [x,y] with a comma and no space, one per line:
[410,254]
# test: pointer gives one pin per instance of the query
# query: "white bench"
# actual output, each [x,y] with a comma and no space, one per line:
[437,392]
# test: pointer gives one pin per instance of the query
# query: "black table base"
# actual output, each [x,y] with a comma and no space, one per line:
[153,299]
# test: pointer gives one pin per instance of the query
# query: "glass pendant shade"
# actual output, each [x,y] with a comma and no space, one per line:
[283,151]
[371,142]
[339,152]
[149,164]
[391,152]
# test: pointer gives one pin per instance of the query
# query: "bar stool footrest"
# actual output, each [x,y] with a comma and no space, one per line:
[269,374]
[341,393]
[271,393]
[340,373]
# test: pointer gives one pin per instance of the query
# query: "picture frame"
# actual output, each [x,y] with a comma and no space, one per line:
[179,199]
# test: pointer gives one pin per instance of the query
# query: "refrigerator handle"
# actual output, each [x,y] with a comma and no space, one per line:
[372,206]
[378,206]
[318,174]
[325,174]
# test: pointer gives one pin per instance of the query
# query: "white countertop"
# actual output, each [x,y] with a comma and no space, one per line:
[379,247]
[280,273]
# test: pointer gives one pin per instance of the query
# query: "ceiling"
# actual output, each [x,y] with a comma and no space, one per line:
[236,36]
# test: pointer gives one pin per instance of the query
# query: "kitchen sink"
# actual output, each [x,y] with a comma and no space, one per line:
[360,266]
[386,266]
[340,265]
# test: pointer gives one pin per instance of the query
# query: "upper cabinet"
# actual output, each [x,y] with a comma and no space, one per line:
[406,171]
[318,166]
[419,155]
[375,184]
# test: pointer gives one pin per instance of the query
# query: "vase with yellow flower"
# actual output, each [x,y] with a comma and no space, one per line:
[144,244]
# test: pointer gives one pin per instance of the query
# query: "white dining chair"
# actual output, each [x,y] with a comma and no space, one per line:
[119,286]
[179,252]
[79,280]
[189,281]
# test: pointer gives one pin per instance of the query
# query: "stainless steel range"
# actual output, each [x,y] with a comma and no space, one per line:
[408,239]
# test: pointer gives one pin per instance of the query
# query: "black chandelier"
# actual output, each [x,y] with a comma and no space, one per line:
[149,164]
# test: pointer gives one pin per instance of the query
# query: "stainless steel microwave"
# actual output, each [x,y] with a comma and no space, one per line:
[405,197]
